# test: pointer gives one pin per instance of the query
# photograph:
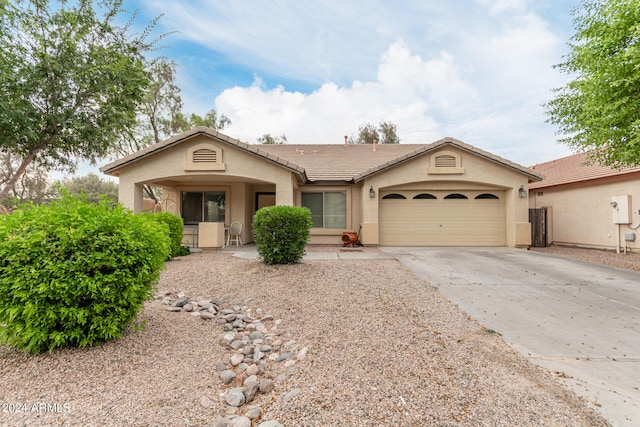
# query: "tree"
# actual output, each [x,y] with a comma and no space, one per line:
[599,110]
[33,186]
[92,188]
[267,138]
[160,116]
[385,133]
[70,81]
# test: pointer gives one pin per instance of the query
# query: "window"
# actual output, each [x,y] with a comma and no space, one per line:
[328,208]
[425,196]
[486,196]
[455,196]
[207,206]
[394,196]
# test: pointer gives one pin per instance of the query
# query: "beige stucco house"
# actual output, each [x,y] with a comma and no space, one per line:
[446,193]
[587,205]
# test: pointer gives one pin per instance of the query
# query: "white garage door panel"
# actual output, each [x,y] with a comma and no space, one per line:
[442,222]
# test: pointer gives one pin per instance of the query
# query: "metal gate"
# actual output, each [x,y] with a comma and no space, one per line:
[538,220]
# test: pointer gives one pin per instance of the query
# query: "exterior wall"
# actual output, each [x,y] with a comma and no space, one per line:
[237,174]
[241,175]
[477,173]
[583,215]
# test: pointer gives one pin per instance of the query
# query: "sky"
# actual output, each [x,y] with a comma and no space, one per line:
[314,71]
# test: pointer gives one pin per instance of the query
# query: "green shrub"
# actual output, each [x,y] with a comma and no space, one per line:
[75,274]
[281,233]
[176,226]
[184,250]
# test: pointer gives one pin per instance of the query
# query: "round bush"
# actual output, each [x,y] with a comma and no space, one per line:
[281,233]
[175,225]
[75,274]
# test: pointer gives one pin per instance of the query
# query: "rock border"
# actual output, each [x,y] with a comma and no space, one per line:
[253,340]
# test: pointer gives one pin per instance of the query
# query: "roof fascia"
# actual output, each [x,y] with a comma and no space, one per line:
[532,175]
[111,168]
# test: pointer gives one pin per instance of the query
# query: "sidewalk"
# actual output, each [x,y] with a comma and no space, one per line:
[314,252]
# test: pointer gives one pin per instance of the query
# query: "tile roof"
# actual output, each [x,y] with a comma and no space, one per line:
[573,169]
[324,162]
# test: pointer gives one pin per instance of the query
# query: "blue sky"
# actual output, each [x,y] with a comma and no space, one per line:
[475,70]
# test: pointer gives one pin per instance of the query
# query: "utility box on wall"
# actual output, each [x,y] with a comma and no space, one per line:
[621,209]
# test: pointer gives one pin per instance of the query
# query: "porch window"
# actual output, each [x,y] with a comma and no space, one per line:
[328,208]
[203,206]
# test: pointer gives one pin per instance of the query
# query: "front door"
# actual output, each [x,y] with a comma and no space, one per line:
[265,199]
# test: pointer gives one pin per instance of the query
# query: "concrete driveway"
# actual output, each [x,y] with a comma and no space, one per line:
[576,319]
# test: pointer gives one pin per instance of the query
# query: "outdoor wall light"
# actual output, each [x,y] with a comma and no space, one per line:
[372,192]
[522,192]
[613,204]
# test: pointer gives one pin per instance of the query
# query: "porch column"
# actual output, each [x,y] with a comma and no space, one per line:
[130,195]
[369,232]
[284,192]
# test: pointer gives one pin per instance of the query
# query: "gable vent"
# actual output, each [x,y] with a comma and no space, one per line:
[445,161]
[204,155]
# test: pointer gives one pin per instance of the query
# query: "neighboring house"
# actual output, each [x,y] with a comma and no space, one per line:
[587,205]
[447,193]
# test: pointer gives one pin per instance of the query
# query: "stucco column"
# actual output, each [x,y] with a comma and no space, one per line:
[284,192]
[130,195]
[369,232]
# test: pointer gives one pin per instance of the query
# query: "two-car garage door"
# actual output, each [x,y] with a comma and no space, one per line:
[442,218]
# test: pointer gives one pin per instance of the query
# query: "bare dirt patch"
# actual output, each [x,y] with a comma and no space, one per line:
[629,260]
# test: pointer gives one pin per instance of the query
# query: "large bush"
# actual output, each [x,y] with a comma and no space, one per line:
[281,233]
[75,274]
[175,225]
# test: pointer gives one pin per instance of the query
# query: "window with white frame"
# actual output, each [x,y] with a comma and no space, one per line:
[328,208]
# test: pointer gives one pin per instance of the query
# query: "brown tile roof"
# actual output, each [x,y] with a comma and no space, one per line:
[573,170]
[323,162]
[354,162]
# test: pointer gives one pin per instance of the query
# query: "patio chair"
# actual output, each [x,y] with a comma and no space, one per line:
[234,235]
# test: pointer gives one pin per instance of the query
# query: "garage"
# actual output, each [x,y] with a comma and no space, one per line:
[442,218]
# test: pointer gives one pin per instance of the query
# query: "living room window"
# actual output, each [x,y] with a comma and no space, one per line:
[328,208]
[203,206]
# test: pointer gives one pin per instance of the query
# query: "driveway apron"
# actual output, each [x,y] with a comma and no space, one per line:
[576,319]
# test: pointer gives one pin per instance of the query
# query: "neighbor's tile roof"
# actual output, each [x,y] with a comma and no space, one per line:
[573,169]
[322,162]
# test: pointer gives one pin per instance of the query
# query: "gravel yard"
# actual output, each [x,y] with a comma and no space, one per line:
[384,349]
[629,260]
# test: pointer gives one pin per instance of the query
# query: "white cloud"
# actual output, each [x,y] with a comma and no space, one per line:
[476,70]
[427,98]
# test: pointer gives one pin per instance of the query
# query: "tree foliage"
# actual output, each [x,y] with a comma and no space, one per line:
[267,138]
[70,81]
[599,110]
[91,188]
[160,116]
[384,133]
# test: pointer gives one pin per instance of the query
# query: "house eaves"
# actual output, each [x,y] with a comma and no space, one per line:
[532,175]
[113,167]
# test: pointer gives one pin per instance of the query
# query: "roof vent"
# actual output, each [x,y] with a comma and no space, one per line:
[445,161]
[204,155]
